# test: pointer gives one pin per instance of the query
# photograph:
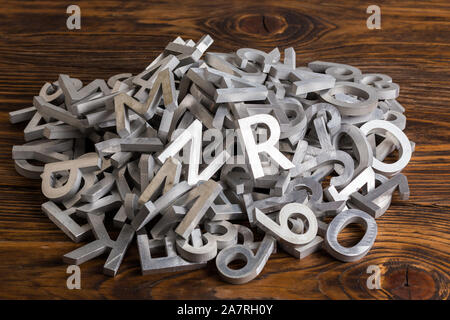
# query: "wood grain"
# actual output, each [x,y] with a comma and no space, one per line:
[412,246]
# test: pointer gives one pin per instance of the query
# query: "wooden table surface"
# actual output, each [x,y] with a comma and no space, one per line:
[412,246]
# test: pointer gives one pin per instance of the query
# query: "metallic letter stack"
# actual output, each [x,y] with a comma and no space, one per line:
[225,156]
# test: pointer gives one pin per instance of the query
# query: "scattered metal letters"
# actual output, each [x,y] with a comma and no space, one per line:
[187,155]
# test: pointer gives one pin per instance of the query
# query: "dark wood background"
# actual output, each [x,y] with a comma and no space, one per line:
[412,246]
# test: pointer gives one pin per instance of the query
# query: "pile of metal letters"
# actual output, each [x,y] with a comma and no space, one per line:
[225,156]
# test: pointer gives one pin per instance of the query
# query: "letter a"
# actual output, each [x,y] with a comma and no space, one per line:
[374,21]
[74,280]
[73,21]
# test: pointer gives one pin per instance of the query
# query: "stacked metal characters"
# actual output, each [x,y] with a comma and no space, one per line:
[203,153]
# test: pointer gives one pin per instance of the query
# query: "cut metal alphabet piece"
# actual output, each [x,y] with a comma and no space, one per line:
[64,221]
[145,81]
[368,94]
[383,202]
[257,56]
[75,167]
[281,229]
[170,262]
[200,248]
[367,203]
[72,93]
[254,263]
[188,149]
[166,177]
[202,196]
[360,249]
[162,88]
[117,249]
[380,126]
